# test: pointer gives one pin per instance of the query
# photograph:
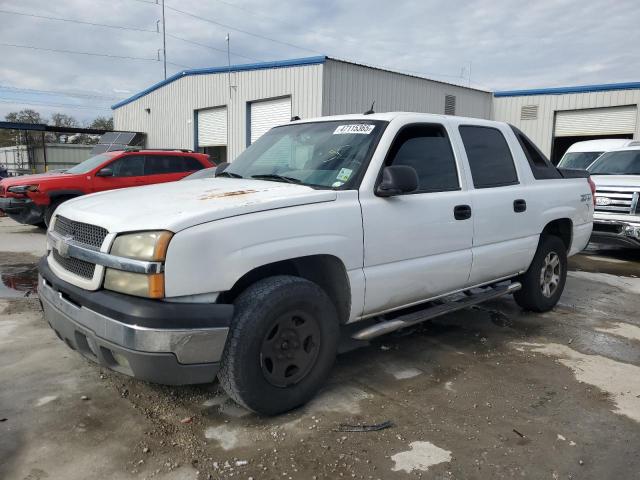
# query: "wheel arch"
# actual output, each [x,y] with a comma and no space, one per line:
[327,271]
[68,194]
[561,228]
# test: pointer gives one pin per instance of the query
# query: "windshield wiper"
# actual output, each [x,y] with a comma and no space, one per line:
[274,176]
[229,174]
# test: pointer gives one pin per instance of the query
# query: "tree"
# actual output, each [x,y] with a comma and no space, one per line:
[15,137]
[102,123]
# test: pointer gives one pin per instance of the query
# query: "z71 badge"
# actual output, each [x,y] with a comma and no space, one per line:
[585,197]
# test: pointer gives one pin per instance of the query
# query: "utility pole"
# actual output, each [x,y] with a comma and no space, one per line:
[228,39]
[164,42]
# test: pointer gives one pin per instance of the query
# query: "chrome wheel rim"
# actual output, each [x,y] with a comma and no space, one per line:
[550,274]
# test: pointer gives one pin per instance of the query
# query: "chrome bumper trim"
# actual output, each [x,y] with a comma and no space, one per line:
[189,346]
[67,247]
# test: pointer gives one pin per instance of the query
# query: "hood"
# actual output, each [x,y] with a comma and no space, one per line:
[29,179]
[178,205]
[616,181]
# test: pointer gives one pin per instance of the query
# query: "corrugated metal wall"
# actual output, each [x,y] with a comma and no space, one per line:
[170,123]
[350,88]
[61,155]
[540,130]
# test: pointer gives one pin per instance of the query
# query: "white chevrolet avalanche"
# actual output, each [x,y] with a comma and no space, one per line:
[360,223]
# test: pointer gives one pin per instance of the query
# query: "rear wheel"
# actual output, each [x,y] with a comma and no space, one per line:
[282,344]
[543,282]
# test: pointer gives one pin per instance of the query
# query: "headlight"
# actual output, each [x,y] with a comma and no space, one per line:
[138,284]
[22,188]
[146,246]
[149,246]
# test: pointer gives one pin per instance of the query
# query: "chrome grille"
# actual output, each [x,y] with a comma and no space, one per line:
[89,235]
[77,267]
[617,200]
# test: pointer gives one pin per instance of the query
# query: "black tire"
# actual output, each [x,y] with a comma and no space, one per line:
[539,292]
[274,313]
[49,211]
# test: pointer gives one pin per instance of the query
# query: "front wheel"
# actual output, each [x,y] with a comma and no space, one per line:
[543,282]
[281,346]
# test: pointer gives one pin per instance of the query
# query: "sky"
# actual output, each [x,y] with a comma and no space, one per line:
[488,44]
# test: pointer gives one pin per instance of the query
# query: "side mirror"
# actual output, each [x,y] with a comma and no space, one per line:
[396,180]
[222,166]
[105,172]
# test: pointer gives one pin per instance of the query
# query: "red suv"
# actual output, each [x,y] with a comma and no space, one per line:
[32,199]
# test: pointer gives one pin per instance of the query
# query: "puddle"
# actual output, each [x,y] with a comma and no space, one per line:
[18,281]
[620,380]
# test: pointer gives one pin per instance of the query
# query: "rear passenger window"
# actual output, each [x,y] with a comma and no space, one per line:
[191,163]
[489,157]
[427,149]
[163,164]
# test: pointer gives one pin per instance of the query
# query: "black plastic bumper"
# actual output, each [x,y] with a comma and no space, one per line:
[22,210]
[160,342]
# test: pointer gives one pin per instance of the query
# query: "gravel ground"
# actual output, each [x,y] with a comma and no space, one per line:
[489,392]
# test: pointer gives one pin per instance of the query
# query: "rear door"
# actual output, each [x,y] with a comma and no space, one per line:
[169,168]
[501,207]
[417,245]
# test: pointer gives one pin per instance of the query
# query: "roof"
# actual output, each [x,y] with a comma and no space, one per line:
[601,145]
[42,127]
[564,90]
[295,62]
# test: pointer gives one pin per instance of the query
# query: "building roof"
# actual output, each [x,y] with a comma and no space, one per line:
[564,90]
[295,62]
[42,127]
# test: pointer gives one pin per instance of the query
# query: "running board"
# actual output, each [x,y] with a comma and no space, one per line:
[414,318]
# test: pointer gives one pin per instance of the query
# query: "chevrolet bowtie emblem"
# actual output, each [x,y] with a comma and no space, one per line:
[63,246]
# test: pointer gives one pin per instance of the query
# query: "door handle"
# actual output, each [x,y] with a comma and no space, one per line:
[462,212]
[519,205]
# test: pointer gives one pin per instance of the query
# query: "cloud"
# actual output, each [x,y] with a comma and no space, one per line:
[506,44]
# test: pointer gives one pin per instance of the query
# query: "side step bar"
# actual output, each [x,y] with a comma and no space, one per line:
[414,318]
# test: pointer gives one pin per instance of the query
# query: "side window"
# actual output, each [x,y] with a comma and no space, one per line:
[427,149]
[163,164]
[541,167]
[489,157]
[191,164]
[129,166]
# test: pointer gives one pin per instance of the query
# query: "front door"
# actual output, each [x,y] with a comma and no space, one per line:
[418,245]
[127,171]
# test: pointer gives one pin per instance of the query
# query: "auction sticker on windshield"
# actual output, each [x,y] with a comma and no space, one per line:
[362,128]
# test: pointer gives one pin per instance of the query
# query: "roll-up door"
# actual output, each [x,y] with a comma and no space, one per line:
[596,121]
[264,115]
[212,127]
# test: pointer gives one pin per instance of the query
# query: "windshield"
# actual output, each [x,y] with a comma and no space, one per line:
[622,162]
[322,154]
[89,164]
[579,160]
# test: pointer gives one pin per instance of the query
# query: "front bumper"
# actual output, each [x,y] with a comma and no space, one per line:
[167,343]
[23,210]
[616,232]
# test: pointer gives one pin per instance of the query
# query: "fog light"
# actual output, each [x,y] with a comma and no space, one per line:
[632,231]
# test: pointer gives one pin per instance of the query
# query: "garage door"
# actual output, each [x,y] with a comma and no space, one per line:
[212,127]
[267,114]
[596,121]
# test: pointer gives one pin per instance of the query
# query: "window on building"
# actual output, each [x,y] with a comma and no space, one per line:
[489,157]
[427,149]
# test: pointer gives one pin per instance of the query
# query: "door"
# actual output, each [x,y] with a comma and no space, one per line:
[417,245]
[127,171]
[266,114]
[501,243]
[168,168]
[212,133]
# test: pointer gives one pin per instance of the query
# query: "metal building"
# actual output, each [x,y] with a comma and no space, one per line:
[220,111]
[555,118]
